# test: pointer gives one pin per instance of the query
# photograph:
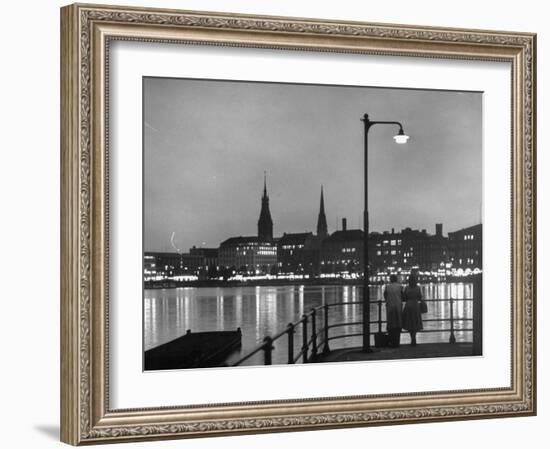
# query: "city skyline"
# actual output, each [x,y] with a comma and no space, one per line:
[431,229]
[193,198]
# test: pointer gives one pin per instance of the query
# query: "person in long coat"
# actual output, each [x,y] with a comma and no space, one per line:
[393,294]
[412,316]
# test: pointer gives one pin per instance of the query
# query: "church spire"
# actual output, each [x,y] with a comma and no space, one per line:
[265,223]
[322,229]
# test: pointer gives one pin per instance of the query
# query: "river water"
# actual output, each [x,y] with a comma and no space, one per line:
[261,311]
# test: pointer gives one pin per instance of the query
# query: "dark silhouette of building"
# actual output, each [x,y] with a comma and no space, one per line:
[465,247]
[417,250]
[209,255]
[342,251]
[297,254]
[265,223]
[410,249]
[322,228]
[209,261]
[439,251]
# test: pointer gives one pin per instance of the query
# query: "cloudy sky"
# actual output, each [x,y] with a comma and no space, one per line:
[207,144]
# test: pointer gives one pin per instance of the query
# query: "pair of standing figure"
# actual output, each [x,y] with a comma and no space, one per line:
[399,317]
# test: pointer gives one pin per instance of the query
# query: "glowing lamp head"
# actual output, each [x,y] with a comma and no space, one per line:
[401,137]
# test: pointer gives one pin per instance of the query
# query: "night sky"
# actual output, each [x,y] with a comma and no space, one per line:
[207,144]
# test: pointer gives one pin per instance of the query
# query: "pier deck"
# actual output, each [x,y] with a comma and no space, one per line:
[422,350]
[193,350]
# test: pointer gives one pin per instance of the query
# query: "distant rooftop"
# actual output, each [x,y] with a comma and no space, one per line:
[245,240]
[341,236]
[294,238]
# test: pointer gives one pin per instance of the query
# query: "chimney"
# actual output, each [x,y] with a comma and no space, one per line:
[439,229]
[344,224]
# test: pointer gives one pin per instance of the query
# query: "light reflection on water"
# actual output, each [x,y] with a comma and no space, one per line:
[261,311]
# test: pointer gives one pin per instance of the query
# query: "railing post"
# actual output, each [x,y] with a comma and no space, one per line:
[268,348]
[313,333]
[380,316]
[290,333]
[304,338]
[326,348]
[452,338]
[477,310]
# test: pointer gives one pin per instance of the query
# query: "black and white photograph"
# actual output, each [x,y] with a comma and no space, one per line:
[304,223]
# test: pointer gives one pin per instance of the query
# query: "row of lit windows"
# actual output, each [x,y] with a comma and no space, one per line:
[292,246]
[254,246]
[260,252]
[348,250]
[390,242]
[331,262]
[469,237]
[251,265]
[393,252]
[394,262]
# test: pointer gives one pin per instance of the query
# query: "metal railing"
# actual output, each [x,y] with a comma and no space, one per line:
[317,338]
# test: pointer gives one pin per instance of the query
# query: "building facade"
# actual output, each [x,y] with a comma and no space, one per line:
[209,261]
[407,250]
[466,247]
[342,251]
[167,265]
[417,250]
[300,253]
[247,255]
[297,254]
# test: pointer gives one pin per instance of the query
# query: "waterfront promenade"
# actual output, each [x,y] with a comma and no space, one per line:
[419,351]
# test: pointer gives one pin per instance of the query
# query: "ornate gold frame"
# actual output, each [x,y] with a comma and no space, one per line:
[86,31]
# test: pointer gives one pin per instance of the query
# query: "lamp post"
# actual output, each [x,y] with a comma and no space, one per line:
[399,138]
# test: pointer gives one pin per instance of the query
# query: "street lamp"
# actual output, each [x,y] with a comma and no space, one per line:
[399,138]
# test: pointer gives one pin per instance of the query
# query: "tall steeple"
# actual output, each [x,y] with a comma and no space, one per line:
[322,229]
[265,223]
